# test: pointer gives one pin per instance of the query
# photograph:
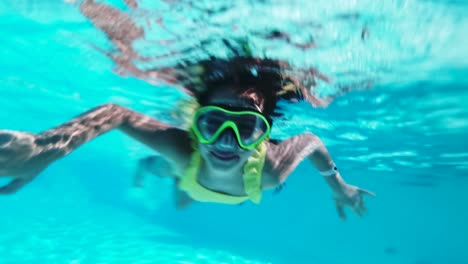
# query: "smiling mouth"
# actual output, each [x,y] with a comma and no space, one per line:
[224,156]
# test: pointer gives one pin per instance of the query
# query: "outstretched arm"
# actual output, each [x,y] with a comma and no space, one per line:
[24,155]
[293,150]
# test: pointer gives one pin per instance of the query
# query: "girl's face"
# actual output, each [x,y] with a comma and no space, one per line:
[225,154]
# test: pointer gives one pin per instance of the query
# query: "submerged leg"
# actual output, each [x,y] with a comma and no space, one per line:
[118,26]
[155,165]
[122,31]
[181,199]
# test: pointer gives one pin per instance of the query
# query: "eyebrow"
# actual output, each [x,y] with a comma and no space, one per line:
[242,103]
[239,108]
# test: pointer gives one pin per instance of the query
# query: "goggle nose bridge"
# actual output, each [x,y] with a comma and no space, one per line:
[224,126]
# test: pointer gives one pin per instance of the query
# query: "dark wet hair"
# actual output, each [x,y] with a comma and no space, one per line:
[265,78]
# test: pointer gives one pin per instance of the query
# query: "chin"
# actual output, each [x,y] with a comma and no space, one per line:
[223,165]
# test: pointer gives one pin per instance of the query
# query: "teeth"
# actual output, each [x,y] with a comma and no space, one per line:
[224,157]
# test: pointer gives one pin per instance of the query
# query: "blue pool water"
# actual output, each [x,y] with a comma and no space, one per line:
[404,139]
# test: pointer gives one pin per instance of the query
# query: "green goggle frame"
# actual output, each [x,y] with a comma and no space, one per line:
[250,127]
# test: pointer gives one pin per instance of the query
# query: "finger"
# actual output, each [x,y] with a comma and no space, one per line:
[357,211]
[356,206]
[363,208]
[359,206]
[13,186]
[363,191]
[340,210]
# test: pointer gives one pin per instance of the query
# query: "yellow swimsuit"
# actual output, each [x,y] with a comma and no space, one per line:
[252,180]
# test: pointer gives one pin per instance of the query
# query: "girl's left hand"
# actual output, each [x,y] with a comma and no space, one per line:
[353,197]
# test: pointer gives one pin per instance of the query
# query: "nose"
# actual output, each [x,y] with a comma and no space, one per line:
[227,141]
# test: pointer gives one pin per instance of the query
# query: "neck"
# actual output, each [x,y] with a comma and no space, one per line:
[224,181]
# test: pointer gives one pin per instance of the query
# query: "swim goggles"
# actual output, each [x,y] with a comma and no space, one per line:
[250,127]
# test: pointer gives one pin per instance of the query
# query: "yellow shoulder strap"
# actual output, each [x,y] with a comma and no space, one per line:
[253,173]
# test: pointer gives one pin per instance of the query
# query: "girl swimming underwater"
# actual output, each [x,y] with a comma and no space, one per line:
[225,156]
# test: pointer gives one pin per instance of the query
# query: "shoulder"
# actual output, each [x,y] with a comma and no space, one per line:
[175,146]
[283,157]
